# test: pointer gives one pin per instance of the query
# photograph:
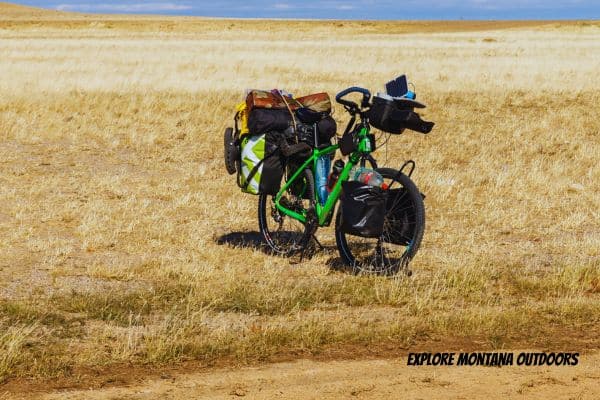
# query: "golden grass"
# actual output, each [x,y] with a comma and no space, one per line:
[122,239]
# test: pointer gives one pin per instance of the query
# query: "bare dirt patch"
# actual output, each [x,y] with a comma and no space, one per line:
[368,379]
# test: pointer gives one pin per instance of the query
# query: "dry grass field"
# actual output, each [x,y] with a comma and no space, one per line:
[124,244]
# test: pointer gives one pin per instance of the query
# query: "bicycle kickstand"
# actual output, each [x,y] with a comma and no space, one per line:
[312,228]
[317,242]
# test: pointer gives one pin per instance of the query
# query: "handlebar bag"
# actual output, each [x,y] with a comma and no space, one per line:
[261,166]
[386,116]
[363,209]
[393,117]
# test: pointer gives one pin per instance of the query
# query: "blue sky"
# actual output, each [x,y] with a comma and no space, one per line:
[341,9]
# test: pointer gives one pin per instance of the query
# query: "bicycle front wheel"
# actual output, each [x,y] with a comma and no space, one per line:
[403,229]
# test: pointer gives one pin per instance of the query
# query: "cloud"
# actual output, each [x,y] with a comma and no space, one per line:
[131,7]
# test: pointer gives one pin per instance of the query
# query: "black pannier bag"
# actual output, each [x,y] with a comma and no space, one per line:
[363,209]
[393,116]
[262,163]
[273,164]
[263,120]
[401,218]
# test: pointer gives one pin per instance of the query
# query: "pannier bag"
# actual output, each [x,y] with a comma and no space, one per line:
[400,217]
[393,116]
[363,209]
[261,164]
[264,123]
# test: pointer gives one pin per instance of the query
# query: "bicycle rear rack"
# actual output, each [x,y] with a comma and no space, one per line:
[412,164]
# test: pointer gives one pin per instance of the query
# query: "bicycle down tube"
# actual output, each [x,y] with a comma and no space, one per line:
[321,210]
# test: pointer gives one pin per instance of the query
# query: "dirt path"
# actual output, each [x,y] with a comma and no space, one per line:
[372,379]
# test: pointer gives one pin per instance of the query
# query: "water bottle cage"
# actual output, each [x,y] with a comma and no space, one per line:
[366,145]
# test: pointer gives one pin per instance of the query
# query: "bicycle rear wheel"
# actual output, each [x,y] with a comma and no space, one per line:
[285,235]
[404,225]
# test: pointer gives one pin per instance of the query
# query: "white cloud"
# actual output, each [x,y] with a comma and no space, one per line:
[132,7]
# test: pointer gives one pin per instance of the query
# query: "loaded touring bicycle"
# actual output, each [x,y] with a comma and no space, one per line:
[281,150]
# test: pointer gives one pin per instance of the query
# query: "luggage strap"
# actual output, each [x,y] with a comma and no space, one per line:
[291,113]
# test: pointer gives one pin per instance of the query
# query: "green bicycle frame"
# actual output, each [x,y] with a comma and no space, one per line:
[323,211]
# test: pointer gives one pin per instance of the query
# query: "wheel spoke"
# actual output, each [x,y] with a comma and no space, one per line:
[403,231]
[283,234]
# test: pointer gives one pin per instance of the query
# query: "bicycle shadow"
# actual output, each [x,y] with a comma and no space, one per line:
[336,264]
[254,240]
[251,239]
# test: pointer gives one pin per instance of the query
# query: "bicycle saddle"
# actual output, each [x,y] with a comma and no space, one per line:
[308,116]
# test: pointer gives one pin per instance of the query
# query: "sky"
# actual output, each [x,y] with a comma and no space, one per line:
[340,9]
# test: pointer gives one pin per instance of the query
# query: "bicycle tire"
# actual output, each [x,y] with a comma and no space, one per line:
[284,242]
[379,262]
[232,152]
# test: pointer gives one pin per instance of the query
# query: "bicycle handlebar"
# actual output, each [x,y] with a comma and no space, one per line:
[354,89]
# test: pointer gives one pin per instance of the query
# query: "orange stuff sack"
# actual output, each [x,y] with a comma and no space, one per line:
[319,102]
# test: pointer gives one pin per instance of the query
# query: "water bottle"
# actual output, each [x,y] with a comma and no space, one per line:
[368,177]
[336,171]
[323,166]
